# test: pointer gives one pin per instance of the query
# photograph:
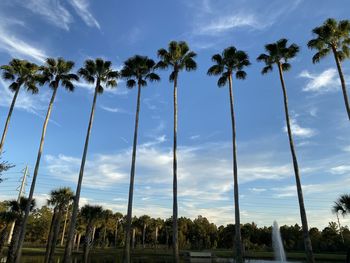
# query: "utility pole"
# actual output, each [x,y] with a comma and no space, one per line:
[21,191]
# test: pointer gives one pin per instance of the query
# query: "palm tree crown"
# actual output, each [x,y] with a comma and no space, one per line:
[61,197]
[137,70]
[99,71]
[178,56]
[342,205]
[56,72]
[21,72]
[91,213]
[278,53]
[332,35]
[231,60]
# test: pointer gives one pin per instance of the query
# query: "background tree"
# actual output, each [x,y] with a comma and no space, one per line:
[232,61]
[4,166]
[6,218]
[60,200]
[98,72]
[333,37]
[55,72]
[279,53]
[90,214]
[19,209]
[178,57]
[137,71]
[21,73]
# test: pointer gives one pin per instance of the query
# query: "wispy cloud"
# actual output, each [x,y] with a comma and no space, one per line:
[114,109]
[325,81]
[299,131]
[82,8]
[51,10]
[19,48]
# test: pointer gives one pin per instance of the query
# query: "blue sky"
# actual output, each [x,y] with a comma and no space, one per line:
[116,30]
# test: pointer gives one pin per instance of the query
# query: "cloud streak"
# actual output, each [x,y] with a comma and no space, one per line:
[81,7]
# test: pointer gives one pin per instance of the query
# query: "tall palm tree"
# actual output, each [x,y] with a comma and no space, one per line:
[98,72]
[333,37]
[19,208]
[279,53]
[60,199]
[21,73]
[137,71]
[178,57]
[55,72]
[229,62]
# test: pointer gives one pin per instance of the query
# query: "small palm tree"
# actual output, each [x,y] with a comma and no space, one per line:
[60,200]
[21,73]
[98,72]
[55,72]
[178,57]
[333,37]
[279,53]
[137,71]
[232,61]
[90,214]
[19,209]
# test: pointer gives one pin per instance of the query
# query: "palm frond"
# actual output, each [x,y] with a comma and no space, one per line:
[241,74]
[266,69]
[130,83]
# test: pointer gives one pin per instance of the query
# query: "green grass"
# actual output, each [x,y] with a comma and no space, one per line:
[34,251]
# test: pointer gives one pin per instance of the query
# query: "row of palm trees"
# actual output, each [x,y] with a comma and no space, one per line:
[332,36]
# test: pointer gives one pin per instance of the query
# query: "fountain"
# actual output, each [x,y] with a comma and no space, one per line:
[278,249]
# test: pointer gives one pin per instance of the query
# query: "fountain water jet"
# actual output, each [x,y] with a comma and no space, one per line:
[278,249]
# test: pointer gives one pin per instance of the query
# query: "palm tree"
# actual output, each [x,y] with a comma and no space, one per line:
[178,57]
[342,205]
[19,209]
[137,71]
[118,217]
[21,73]
[91,214]
[98,72]
[56,72]
[333,37]
[7,218]
[60,199]
[279,53]
[232,61]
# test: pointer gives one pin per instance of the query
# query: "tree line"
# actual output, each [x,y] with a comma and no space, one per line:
[331,37]
[102,228]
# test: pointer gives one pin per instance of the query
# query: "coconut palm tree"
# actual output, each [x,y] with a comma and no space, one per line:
[137,71]
[90,214]
[333,37]
[21,73]
[98,72]
[232,61]
[279,53]
[60,199]
[19,209]
[55,72]
[178,57]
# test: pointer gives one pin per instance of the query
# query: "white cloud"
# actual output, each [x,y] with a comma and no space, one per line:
[114,109]
[299,131]
[341,169]
[52,10]
[326,81]
[82,9]
[19,48]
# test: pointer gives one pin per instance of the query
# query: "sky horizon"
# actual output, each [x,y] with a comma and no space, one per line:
[115,30]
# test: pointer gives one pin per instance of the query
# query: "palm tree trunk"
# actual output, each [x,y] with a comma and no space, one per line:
[104,236]
[64,226]
[8,118]
[78,242]
[133,238]
[87,242]
[342,80]
[11,253]
[56,231]
[132,177]
[69,243]
[144,235]
[340,230]
[238,238]
[307,240]
[175,211]
[116,235]
[35,174]
[156,237]
[50,237]
[3,236]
